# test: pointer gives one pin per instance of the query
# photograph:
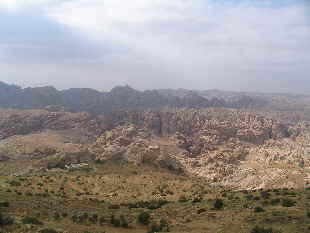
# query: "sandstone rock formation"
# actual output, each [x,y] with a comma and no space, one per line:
[234,148]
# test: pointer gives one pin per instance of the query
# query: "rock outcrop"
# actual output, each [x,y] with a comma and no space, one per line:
[235,148]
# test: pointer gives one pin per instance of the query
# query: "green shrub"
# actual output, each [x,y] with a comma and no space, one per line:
[5,220]
[153,228]
[4,204]
[102,220]
[31,220]
[94,218]
[288,202]
[218,204]
[56,216]
[202,210]
[116,222]
[258,229]
[48,231]
[15,183]
[249,197]
[144,218]
[275,201]
[265,194]
[123,221]
[161,227]
[258,209]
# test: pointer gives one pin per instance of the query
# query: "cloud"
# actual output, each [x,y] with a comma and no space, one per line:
[157,43]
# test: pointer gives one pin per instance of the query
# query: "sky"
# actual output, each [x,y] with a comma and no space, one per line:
[242,45]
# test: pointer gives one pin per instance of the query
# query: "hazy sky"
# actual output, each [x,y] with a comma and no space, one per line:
[254,45]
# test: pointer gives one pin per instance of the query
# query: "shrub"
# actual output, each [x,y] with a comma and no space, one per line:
[258,209]
[123,221]
[308,214]
[265,194]
[115,221]
[48,231]
[161,227]
[201,211]
[288,202]
[218,204]
[275,201]
[249,197]
[31,220]
[262,230]
[164,225]
[114,207]
[56,216]
[4,204]
[5,220]
[94,218]
[15,183]
[144,218]
[153,228]
[102,220]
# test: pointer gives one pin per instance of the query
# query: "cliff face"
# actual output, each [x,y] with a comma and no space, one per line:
[221,123]
[230,147]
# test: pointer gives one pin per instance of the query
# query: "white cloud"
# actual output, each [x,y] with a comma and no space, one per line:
[196,43]
[20,4]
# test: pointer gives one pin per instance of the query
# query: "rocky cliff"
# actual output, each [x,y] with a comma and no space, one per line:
[234,148]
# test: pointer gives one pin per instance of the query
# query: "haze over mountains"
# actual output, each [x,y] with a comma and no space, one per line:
[125,97]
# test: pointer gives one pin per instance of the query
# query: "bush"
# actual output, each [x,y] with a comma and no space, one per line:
[5,220]
[48,231]
[288,202]
[265,194]
[102,220]
[249,197]
[94,218]
[202,210]
[153,228]
[275,201]
[31,220]
[144,218]
[161,227]
[308,214]
[218,204]
[56,216]
[15,183]
[115,221]
[4,204]
[258,209]
[123,221]
[262,230]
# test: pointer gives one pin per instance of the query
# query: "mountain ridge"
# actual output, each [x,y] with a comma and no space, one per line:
[126,97]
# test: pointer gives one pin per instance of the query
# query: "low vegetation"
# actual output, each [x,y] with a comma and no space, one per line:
[155,201]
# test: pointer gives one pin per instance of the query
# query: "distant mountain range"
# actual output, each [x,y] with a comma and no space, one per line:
[125,97]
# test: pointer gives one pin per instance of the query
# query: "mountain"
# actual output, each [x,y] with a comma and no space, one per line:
[120,97]
[152,161]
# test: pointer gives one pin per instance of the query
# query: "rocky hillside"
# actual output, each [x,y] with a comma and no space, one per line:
[228,147]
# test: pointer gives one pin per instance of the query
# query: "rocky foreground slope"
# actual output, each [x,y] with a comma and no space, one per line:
[233,148]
